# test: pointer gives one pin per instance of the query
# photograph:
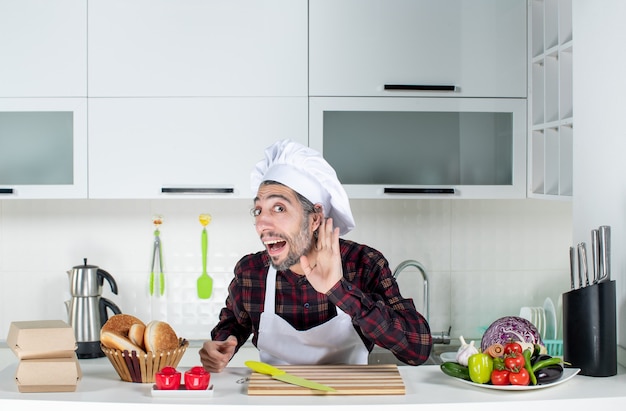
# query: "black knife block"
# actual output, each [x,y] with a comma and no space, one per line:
[590,329]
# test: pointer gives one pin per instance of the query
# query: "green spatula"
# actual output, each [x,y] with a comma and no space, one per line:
[205,282]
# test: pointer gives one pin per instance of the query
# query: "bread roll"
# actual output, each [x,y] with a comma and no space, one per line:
[120,323]
[160,336]
[117,341]
[136,333]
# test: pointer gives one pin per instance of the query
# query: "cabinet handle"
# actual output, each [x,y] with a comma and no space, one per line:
[6,191]
[197,190]
[420,87]
[391,190]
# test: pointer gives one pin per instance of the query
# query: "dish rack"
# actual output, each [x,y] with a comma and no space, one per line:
[554,347]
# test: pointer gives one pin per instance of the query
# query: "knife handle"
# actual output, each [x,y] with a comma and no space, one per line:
[585,265]
[582,264]
[595,254]
[605,252]
[572,266]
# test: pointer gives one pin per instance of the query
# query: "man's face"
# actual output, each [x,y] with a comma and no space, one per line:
[281,225]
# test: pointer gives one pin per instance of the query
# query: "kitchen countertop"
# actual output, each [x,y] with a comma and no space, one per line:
[425,385]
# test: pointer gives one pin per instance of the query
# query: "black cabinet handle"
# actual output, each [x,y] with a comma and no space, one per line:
[197,190]
[420,87]
[434,190]
[6,191]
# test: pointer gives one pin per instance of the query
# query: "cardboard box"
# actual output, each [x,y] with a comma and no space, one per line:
[42,339]
[48,375]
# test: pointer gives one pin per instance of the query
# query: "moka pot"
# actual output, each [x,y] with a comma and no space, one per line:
[87,309]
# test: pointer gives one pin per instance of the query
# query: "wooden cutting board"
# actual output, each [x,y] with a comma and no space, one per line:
[345,379]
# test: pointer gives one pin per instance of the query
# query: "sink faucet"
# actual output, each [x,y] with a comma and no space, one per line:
[413,263]
[442,337]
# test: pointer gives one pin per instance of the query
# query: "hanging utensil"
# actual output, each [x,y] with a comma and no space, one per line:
[205,282]
[157,254]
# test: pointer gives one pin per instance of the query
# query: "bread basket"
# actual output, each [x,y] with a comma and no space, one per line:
[133,367]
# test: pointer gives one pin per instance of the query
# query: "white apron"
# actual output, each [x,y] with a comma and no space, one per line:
[334,342]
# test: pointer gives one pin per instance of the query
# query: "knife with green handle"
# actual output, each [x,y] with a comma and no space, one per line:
[281,375]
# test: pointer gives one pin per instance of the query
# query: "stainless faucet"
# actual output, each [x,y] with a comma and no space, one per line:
[442,337]
[420,267]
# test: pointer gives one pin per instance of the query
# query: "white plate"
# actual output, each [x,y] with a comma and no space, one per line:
[548,307]
[540,318]
[568,374]
[448,356]
[559,318]
[526,313]
[182,392]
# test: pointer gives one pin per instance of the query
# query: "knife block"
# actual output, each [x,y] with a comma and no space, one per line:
[590,329]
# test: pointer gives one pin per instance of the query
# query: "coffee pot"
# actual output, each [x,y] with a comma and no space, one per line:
[87,309]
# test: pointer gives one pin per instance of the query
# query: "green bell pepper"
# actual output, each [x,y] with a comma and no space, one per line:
[480,367]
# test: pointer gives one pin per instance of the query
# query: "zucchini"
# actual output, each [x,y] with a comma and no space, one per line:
[454,369]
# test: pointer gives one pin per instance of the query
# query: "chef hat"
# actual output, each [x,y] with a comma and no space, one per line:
[305,171]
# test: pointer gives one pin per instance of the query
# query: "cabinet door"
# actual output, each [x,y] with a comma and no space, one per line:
[359,46]
[177,147]
[385,147]
[43,148]
[187,48]
[43,48]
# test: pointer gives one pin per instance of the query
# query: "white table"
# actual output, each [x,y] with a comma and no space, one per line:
[427,388]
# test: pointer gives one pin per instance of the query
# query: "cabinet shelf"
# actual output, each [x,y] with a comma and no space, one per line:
[551,116]
[554,124]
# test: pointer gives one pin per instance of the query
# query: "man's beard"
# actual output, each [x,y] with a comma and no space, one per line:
[299,245]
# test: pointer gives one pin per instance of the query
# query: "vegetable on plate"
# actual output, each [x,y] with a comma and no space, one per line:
[513,368]
[456,370]
[511,328]
[480,367]
[465,351]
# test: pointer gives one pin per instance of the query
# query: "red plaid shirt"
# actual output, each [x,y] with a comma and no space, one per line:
[368,293]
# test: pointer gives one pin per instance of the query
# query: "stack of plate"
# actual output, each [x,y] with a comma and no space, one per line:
[544,318]
[552,325]
[546,321]
[537,316]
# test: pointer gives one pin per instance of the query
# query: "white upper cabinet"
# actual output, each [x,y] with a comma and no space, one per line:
[383,147]
[43,48]
[185,147]
[476,47]
[186,48]
[43,148]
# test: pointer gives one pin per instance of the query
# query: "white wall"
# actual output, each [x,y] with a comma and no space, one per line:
[599,133]
[485,259]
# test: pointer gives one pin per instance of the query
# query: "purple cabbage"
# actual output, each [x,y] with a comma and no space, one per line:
[505,329]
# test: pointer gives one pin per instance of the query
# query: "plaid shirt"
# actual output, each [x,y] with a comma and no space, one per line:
[368,293]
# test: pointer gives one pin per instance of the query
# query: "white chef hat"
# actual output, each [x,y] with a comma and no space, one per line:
[305,171]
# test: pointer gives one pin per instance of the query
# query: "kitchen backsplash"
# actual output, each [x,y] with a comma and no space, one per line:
[484,258]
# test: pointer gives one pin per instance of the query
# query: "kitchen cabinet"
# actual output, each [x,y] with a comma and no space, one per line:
[184,48]
[384,147]
[43,48]
[552,117]
[185,95]
[180,147]
[43,148]
[478,48]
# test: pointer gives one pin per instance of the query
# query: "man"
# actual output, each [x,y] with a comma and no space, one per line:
[311,297]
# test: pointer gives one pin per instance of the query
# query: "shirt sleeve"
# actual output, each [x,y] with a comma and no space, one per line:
[372,298]
[234,318]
